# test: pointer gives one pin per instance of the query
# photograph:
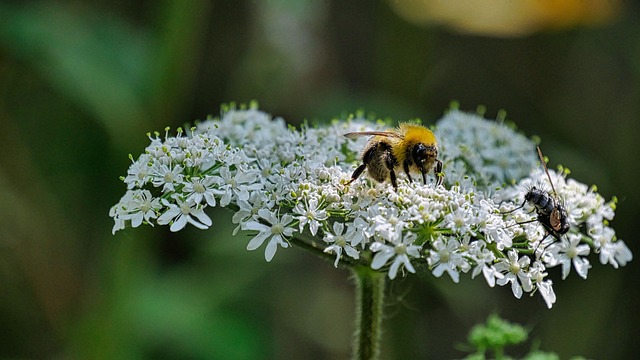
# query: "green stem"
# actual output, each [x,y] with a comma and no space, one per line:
[369,305]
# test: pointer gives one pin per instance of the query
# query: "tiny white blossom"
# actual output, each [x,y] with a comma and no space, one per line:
[617,254]
[141,207]
[117,210]
[339,242]
[483,259]
[496,232]
[249,208]
[277,231]
[445,257]
[401,249]
[310,213]
[514,272]
[167,176]
[360,236]
[545,287]
[460,220]
[183,212]
[235,184]
[569,251]
[138,173]
[199,189]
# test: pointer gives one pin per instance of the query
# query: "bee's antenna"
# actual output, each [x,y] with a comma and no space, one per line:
[544,164]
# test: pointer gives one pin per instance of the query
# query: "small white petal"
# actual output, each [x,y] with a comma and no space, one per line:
[168,215]
[270,250]
[582,266]
[393,270]
[256,226]
[203,217]
[380,259]
[257,241]
[196,223]
[179,223]
[352,252]
[516,289]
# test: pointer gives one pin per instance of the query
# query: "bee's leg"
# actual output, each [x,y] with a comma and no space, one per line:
[405,166]
[424,174]
[357,173]
[438,171]
[394,182]
[390,162]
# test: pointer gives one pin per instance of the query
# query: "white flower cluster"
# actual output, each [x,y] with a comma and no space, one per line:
[288,187]
[491,151]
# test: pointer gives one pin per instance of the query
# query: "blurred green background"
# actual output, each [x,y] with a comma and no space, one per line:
[82,82]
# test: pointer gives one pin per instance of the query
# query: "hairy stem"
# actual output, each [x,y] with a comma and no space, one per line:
[369,305]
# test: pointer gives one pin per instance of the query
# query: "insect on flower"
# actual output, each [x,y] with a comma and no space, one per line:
[551,213]
[410,146]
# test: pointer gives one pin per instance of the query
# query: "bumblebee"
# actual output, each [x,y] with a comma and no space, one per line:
[551,213]
[410,146]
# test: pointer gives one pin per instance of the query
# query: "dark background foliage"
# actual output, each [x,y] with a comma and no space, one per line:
[82,82]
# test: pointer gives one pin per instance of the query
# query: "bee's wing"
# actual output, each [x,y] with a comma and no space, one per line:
[391,134]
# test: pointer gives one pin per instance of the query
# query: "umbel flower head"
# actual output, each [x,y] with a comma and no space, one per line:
[287,187]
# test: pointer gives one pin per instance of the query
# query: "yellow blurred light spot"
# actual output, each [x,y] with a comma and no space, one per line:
[507,18]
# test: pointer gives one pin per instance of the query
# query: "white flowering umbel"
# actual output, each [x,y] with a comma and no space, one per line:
[287,187]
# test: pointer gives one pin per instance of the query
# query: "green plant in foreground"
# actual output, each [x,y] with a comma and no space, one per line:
[496,335]
[287,187]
